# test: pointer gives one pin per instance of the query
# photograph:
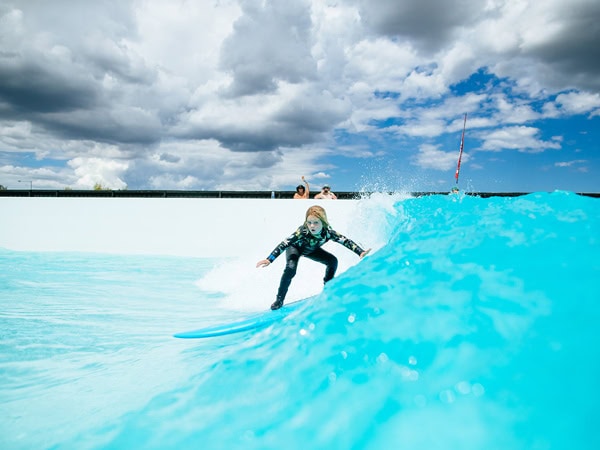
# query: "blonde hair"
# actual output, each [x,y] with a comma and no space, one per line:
[319,213]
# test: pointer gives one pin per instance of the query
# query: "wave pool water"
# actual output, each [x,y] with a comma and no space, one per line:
[473,326]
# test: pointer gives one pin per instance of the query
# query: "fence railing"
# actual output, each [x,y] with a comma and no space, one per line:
[215,194]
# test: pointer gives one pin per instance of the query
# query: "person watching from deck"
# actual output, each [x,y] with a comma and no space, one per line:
[326,193]
[300,191]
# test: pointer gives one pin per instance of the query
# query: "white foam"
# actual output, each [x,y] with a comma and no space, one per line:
[241,230]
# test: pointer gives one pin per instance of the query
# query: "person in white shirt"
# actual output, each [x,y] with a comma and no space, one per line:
[326,193]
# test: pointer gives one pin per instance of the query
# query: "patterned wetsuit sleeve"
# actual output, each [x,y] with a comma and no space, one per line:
[294,237]
[348,243]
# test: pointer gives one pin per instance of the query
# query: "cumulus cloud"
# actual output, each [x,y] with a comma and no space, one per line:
[93,171]
[429,24]
[430,157]
[521,138]
[578,102]
[207,95]
[271,42]
[294,116]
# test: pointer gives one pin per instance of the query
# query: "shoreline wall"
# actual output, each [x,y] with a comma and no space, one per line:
[342,195]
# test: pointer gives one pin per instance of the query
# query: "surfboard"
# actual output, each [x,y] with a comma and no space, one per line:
[255,321]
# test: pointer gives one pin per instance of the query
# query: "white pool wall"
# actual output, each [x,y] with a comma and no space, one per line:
[179,227]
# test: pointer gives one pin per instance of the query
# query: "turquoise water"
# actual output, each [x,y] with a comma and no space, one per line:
[474,327]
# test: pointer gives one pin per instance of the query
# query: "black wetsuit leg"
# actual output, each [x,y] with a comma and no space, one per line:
[326,258]
[292,254]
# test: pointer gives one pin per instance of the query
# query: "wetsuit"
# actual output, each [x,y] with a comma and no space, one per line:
[303,243]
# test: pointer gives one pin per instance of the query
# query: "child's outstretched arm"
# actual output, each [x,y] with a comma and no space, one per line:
[348,243]
[280,248]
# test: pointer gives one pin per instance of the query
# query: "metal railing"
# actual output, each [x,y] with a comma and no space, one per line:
[345,195]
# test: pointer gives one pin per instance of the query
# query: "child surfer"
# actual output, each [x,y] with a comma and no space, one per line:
[307,241]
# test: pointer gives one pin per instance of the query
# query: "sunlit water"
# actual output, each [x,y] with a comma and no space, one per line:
[473,326]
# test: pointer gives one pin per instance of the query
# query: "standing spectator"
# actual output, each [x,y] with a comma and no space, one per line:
[300,191]
[326,193]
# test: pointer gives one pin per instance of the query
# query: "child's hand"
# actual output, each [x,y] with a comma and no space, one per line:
[365,253]
[263,263]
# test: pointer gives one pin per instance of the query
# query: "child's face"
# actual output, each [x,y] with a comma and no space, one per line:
[314,224]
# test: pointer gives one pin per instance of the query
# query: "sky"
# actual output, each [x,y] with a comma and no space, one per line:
[254,94]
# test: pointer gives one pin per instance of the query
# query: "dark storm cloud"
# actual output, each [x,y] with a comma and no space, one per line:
[574,50]
[69,79]
[114,126]
[167,157]
[316,113]
[72,104]
[265,160]
[269,43]
[301,120]
[29,87]
[267,138]
[429,24]
[569,49]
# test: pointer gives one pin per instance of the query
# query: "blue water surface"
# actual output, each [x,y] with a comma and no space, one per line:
[474,327]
